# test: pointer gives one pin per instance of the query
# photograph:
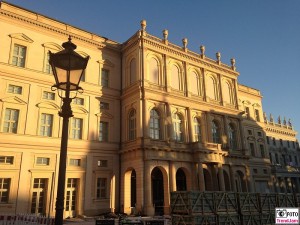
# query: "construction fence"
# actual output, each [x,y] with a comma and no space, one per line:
[228,208]
[28,219]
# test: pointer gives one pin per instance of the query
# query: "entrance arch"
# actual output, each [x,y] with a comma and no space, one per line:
[157,182]
[129,190]
[240,182]
[208,180]
[180,180]
[226,181]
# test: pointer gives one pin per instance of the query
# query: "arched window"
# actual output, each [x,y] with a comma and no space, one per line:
[215,129]
[178,127]
[197,129]
[232,136]
[154,124]
[132,71]
[154,71]
[228,93]
[175,79]
[212,91]
[132,125]
[195,87]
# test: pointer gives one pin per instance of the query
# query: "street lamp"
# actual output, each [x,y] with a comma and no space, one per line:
[68,67]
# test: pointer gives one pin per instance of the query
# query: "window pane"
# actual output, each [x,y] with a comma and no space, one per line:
[11,121]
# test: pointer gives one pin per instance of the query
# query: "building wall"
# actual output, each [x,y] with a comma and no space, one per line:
[172,120]
[27,144]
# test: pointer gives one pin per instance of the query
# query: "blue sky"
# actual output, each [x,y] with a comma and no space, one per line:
[263,36]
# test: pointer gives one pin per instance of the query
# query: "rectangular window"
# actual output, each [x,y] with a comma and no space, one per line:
[14,89]
[293,144]
[38,198]
[252,149]
[262,151]
[48,68]
[296,160]
[268,140]
[102,163]
[288,143]
[19,55]
[274,142]
[249,132]
[42,161]
[10,124]
[78,101]
[46,125]
[257,115]
[74,162]
[247,112]
[104,78]
[101,188]
[76,128]
[281,143]
[259,134]
[7,160]
[103,131]
[4,189]
[104,105]
[48,95]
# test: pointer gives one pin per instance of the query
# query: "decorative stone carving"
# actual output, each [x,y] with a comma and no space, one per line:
[218,56]
[233,64]
[202,50]
[143,25]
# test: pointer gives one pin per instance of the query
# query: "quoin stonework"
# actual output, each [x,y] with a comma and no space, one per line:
[154,117]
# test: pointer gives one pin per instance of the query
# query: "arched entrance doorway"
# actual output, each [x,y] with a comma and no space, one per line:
[208,180]
[180,180]
[157,191]
[240,182]
[226,181]
[133,189]
[130,191]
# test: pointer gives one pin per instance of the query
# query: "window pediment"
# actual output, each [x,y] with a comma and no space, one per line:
[21,37]
[79,109]
[14,99]
[48,105]
[53,46]
[104,115]
[106,62]
[246,102]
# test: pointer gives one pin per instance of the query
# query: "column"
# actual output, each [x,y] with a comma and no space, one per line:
[221,177]
[242,136]
[215,181]
[190,136]
[169,122]
[172,176]
[185,64]
[201,177]
[249,181]
[232,178]
[147,190]
[194,178]
[226,141]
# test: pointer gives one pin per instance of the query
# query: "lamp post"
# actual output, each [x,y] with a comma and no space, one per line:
[68,67]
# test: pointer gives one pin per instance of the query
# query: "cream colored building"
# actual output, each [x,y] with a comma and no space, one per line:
[154,117]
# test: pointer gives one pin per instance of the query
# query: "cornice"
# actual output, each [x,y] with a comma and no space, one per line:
[59,31]
[189,56]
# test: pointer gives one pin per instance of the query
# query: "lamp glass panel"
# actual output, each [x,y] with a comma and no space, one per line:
[75,76]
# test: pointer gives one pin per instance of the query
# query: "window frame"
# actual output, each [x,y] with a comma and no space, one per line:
[132,125]
[178,127]
[154,125]
[48,128]
[74,130]
[103,131]
[10,121]
[5,189]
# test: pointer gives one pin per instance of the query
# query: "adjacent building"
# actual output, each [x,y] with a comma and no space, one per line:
[154,117]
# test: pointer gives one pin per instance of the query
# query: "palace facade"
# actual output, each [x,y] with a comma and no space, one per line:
[154,117]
